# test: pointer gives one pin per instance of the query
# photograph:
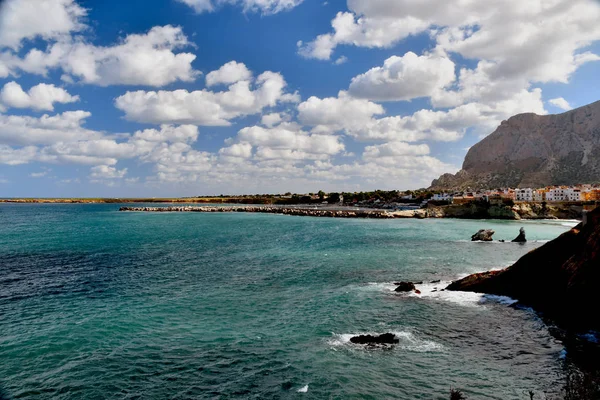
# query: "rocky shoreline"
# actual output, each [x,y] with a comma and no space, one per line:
[559,279]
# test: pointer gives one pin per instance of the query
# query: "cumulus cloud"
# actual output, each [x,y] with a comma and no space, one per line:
[271,119]
[47,129]
[169,133]
[101,172]
[17,156]
[541,40]
[560,103]
[29,19]
[404,78]
[229,73]
[265,7]
[394,150]
[336,113]
[288,140]
[204,107]
[39,97]
[140,59]
[348,28]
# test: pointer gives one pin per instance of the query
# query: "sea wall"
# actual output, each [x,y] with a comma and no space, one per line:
[379,214]
[475,210]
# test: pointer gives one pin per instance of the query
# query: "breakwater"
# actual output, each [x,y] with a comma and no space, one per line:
[380,214]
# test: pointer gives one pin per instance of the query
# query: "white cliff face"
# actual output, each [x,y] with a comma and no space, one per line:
[534,150]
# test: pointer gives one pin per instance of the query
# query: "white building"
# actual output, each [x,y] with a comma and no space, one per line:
[574,195]
[524,194]
[556,194]
[442,197]
[538,195]
[564,194]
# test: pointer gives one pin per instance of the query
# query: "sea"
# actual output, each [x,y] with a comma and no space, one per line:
[101,304]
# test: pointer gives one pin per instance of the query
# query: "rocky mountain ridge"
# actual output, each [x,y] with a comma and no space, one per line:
[530,150]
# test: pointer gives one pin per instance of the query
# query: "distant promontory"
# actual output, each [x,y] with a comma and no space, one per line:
[530,150]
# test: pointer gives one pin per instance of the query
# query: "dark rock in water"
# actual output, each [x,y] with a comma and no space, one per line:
[559,279]
[484,235]
[438,281]
[417,291]
[386,338]
[501,240]
[404,287]
[521,238]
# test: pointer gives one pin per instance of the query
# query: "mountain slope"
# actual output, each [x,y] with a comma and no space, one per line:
[530,150]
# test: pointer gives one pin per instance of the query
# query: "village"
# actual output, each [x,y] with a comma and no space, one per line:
[579,193]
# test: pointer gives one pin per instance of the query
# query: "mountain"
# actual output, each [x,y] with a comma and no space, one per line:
[530,150]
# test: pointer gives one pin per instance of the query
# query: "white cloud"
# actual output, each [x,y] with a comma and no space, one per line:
[561,103]
[341,60]
[336,113]
[229,73]
[25,130]
[169,133]
[39,97]
[100,172]
[203,107]
[265,7]
[12,156]
[394,150]
[270,120]
[288,140]
[141,59]
[238,150]
[30,19]
[361,31]
[38,174]
[539,39]
[404,78]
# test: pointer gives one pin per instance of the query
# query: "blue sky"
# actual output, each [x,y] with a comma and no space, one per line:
[193,97]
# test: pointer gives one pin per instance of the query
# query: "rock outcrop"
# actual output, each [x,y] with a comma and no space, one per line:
[483,210]
[559,279]
[521,238]
[530,150]
[386,338]
[483,235]
[404,287]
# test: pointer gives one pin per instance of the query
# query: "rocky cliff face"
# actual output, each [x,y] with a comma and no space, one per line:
[559,279]
[530,150]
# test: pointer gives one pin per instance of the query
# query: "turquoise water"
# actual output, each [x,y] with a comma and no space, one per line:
[96,303]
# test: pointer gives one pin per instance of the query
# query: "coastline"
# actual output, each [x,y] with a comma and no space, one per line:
[472,210]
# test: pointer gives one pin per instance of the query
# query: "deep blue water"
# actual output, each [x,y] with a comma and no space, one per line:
[96,303]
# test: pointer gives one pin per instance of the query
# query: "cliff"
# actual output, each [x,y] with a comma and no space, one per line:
[530,150]
[483,210]
[559,279]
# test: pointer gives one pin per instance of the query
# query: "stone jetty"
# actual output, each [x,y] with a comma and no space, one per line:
[379,214]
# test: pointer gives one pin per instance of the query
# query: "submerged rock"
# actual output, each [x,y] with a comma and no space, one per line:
[404,287]
[521,238]
[484,235]
[559,279]
[386,338]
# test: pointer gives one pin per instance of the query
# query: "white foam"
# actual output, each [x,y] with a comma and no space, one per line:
[468,299]
[407,341]
[303,389]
